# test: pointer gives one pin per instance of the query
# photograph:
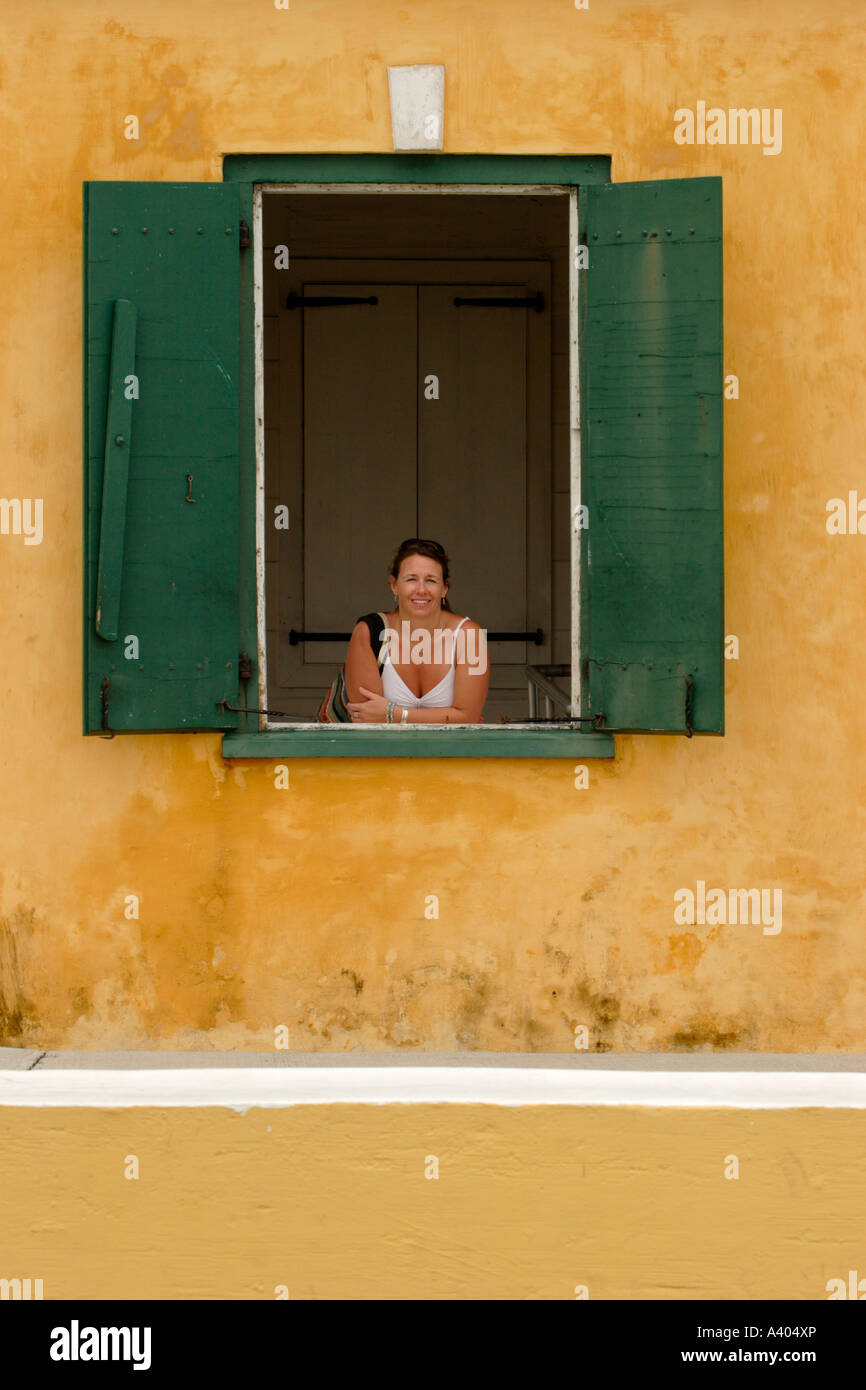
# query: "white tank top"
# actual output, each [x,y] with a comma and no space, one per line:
[440,697]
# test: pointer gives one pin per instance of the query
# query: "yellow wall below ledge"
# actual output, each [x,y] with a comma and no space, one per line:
[531,1202]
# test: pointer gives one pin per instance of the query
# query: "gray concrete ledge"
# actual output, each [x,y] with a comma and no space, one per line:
[21,1059]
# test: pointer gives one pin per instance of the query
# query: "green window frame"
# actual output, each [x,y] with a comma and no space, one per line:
[171,622]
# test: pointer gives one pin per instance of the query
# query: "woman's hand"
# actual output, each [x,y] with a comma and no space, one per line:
[368,711]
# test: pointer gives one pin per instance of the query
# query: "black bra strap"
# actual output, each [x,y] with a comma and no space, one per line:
[374,623]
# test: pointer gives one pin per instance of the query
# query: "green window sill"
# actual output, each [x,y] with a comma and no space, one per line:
[336,741]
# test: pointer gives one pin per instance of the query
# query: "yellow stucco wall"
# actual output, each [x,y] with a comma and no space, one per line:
[335,1202]
[305,907]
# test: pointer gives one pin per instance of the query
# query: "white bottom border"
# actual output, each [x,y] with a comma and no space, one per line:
[268,1087]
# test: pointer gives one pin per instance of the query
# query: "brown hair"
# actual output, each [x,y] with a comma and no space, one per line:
[432,550]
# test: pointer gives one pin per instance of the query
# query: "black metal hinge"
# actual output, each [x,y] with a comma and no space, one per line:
[245,241]
[245,671]
[244,709]
[322,301]
[536,302]
[536,636]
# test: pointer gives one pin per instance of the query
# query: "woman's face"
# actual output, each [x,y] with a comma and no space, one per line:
[419,587]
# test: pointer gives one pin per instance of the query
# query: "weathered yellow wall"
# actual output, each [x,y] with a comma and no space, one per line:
[306,908]
[333,1202]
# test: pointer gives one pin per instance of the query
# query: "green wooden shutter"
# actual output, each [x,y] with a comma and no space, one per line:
[651,455]
[161,572]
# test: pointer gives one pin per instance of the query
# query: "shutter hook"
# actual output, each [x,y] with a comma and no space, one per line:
[188,498]
[689,696]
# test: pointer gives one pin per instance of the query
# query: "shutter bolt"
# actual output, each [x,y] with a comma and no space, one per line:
[144,229]
[171,231]
[118,439]
[691,231]
[106,685]
[228,231]
[643,233]
[198,665]
[618,232]
[595,236]
[200,231]
[667,231]
[115,231]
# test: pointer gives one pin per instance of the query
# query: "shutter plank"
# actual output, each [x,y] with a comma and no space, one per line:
[115,483]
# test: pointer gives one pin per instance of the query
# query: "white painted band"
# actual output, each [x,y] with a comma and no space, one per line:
[278,1087]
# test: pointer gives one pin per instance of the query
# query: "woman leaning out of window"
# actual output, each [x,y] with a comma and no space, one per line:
[435,667]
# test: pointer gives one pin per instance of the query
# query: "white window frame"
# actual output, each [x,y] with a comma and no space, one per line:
[519,190]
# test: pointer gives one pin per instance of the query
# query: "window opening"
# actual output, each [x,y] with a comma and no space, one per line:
[416,369]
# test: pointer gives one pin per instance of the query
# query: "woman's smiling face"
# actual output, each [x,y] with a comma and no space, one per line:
[419,587]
